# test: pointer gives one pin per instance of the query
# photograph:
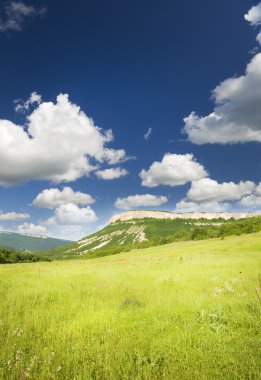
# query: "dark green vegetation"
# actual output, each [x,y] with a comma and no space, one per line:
[29,243]
[122,236]
[10,256]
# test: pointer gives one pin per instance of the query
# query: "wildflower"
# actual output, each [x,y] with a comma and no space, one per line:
[9,365]
[27,373]
[18,332]
[218,290]
[229,288]
[18,355]
[59,368]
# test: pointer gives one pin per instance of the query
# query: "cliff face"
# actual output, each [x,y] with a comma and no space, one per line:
[172,215]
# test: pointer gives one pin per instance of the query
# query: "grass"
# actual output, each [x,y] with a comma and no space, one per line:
[186,310]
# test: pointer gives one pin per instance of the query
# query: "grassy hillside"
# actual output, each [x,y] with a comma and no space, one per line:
[185,310]
[29,243]
[140,233]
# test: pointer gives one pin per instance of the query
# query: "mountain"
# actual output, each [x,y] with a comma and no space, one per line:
[140,229]
[31,243]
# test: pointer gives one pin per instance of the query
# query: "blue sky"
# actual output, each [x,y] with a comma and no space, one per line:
[177,84]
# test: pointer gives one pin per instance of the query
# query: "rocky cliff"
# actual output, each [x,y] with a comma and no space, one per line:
[127,215]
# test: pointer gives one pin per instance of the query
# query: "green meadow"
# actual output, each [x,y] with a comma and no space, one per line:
[186,310]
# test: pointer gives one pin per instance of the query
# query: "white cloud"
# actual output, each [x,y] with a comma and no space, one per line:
[237,114]
[70,214]
[30,228]
[173,170]
[69,221]
[145,200]
[34,99]
[254,15]
[207,190]
[57,145]
[115,156]
[258,38]
[254,18]
[148,134]
[111,173]
[258,190]
[186,205]
[53,198]
[12,216]
[253,200]
[209,195]
[16,14]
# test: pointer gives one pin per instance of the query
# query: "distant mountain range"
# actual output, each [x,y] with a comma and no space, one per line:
[30,243]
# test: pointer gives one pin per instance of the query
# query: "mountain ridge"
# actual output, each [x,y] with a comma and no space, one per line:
[141,214]
[30,242]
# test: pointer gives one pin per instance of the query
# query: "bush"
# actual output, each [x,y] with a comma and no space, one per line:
[10,256]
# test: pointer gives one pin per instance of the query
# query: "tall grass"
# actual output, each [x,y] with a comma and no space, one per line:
[181,311]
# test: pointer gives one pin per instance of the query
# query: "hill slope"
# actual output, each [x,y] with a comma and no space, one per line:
[185,310]
[29,242]
[124,235]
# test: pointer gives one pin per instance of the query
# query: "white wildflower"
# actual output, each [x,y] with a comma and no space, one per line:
[229,288]
[18,332]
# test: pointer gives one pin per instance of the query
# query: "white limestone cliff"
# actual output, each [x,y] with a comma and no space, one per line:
[127,215]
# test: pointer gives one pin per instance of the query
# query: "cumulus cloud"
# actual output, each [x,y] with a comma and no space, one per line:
[12,216]
[252,201]
[207,190]
[209,195]
[134,201]
[111,173]
[254,18]
[53,198]
[186,205]
[173,170]
[70,214]
[70,219]
[57,144]
[258,38]
[32,229]
[254,15]
[236,117]
[148,134]
[16,14]
[237,112]
[113,156]
[34,99]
